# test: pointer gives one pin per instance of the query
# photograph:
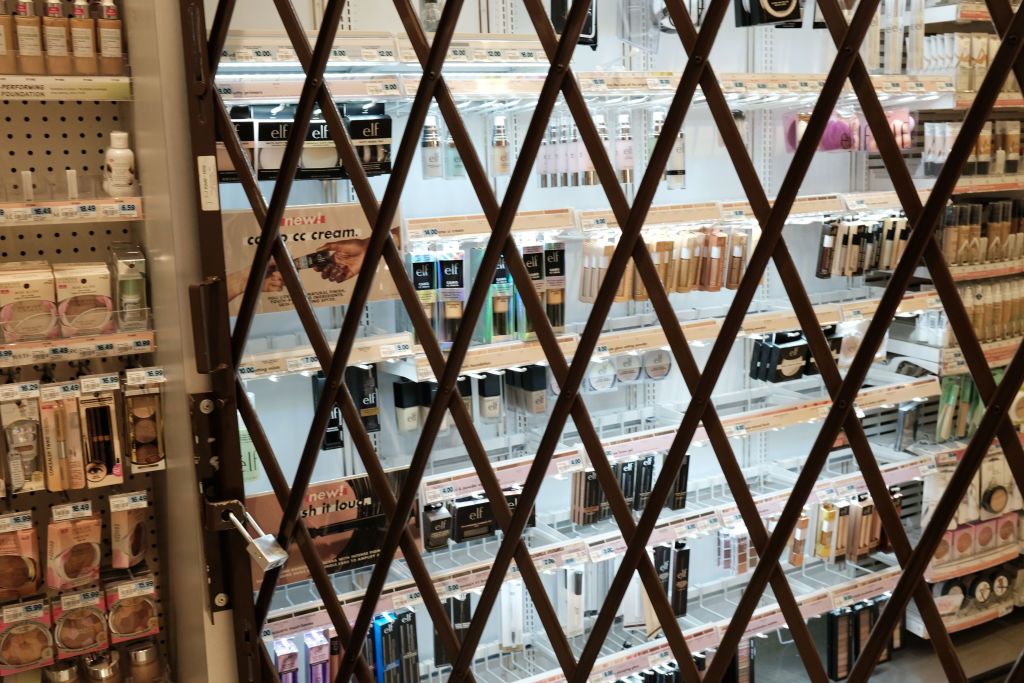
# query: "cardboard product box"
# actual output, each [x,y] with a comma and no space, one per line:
[28,302]
[84,299]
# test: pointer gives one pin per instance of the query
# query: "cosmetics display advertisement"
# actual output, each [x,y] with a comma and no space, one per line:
[532,341]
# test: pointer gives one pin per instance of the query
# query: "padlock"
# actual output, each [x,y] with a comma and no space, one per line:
[264,549]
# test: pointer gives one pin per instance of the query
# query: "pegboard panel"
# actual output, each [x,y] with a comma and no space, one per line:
[48,138]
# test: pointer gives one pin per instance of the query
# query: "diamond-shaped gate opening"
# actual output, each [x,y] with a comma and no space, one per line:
[398,498]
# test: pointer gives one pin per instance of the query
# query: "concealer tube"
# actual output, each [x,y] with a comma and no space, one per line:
[57,36]
[717,242]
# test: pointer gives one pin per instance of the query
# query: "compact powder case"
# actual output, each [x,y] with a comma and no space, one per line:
[1007,529]
[600,375]
[995,499]
[627,367]
[78,562]
[319,156]
[131,617]
[657,364]
[1001,581]
[80,629]
[16,572]
[24,644]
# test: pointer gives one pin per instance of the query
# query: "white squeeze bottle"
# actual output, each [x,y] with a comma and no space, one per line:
[119,167]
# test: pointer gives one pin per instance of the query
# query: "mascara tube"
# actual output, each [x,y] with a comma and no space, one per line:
[554,283]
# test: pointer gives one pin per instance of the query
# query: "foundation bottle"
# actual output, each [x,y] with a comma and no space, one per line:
[83,40]
[29,29]
[108,27]
[144,663]
[8,63]
[57,36]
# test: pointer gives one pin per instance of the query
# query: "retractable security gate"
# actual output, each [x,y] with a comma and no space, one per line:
[219,346]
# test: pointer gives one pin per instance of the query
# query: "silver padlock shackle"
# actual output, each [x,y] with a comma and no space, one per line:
[241,527]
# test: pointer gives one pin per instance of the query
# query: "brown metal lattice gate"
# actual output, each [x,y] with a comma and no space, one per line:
[219,347]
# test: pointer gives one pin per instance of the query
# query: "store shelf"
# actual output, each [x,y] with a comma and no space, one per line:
[493,357]
[957,622]
[104,210]
[465,482]
[458,580]
[268,85]
[950,361]
[979,271]
[985,184]
[77,348]
[95,88]
[961,13]
[302,359]
[970,565]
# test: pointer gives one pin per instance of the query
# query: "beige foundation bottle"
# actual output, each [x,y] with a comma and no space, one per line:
[57,36]
[108,27]
[8,63]
[29,29]
[83,40]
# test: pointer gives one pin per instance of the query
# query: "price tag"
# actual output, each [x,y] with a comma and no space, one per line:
[128,210]
[449,589]
[56,392]
[339,53]
[20,214]
[24,611]
[87,211]
[601,351]
[135,589]
[103,348]
[400,600]
[657,659]
[246,371]
[435,494]
[6,354]
[138,376]
[72,511]
[659,83]
[916,86]
[260,54]
[3,215]
[303,363]
[597,84]
[573,464]
[738,430]
[892,86]
[527,55]
[15,522]
[395,350]
[828,493]
[96,383]
[59,351]
[13,392]
[853,314]
[70,601]
[382,88]
[42,213]
[142,344]
[129,501]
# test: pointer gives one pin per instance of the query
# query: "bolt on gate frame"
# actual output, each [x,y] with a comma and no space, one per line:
[220,346]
